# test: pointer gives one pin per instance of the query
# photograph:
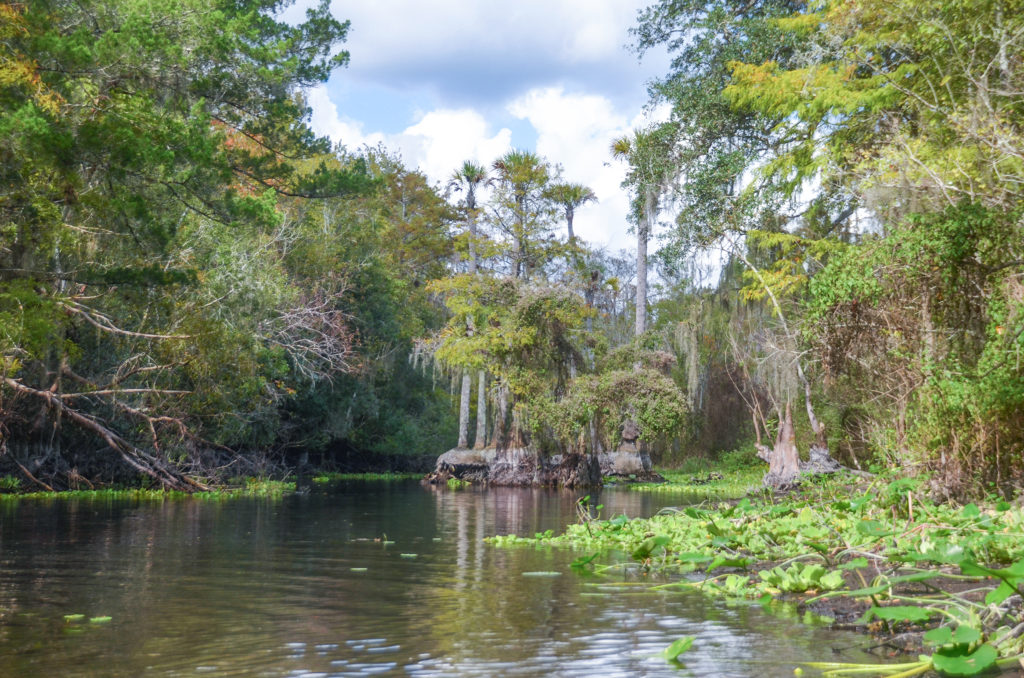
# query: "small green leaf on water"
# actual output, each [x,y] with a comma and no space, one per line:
[71,618]
[678,647]
[437,539]
[854,564]
[409,555]
[955,662]
[99,620]
[542,574]
[358,569]
[582,561]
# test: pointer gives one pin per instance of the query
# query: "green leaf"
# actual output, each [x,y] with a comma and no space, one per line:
[723,561]
[854,564]
[99,620]
[956,663]
[999,594]
[678,647]
[873,528]
[970,511]
[899,613]
[878,588]
[832,580]
[649,546]
[582,561]
[542,574]
[944,635]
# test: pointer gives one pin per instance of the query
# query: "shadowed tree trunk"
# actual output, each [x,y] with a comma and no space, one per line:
[643,232]
[464,411]
[481,411]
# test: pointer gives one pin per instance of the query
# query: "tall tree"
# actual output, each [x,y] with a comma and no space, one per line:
[142,121]
[649,156]
[471,177]
[521,208]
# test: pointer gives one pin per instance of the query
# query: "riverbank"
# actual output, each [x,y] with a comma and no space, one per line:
[236,487]
[938,579]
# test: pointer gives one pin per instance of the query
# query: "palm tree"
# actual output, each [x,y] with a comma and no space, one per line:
[648,153]
[470,177]
[569,197]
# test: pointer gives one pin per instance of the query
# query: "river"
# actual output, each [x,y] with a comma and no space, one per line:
[366,578]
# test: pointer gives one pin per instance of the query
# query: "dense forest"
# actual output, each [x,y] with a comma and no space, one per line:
[193,286]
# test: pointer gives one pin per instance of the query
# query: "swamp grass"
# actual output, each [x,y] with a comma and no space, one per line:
[11,489]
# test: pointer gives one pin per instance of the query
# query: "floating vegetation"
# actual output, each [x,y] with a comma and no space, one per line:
[358,569]
[949,575]
[325,478]
[237,487]
[542,574]
[99,620]
[409,555]
[712,486]
[72,618]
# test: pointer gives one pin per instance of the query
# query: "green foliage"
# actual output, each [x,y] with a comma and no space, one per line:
[942,289]
[647,398]
[799,578]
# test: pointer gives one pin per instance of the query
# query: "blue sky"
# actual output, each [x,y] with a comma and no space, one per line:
[442,81]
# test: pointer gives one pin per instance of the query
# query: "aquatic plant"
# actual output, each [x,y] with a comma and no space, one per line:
[884,536]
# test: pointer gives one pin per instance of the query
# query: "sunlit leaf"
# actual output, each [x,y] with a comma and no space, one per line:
[955,663]
[678,647]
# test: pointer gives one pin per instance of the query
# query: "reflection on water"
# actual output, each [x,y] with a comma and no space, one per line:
[312,586]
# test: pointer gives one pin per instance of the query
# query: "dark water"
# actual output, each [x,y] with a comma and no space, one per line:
[267,588]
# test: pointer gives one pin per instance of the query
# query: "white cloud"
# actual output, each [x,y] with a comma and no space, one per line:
[576,130]
[327,122]
[437,144]
[443,139]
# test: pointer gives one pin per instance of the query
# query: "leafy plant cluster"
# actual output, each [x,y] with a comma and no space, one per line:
[881,544]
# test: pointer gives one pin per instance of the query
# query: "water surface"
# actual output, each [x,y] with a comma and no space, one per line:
[309,585]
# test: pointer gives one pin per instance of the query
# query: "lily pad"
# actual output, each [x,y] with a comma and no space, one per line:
[99,620]
[71,618]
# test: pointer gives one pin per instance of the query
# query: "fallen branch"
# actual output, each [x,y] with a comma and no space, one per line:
[133,456]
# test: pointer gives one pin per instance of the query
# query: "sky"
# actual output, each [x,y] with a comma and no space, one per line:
[444,81]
